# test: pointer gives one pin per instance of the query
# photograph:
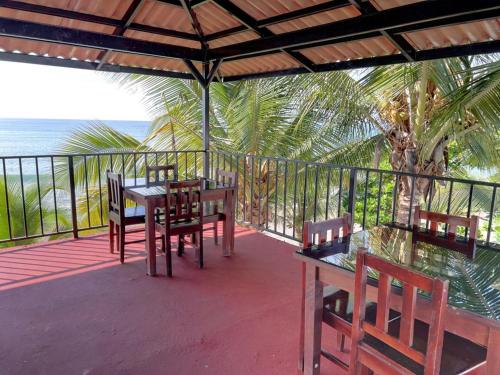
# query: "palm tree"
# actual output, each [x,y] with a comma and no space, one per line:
[431,118]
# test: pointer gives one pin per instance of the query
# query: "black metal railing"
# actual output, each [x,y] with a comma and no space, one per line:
[53,195]
[278,195]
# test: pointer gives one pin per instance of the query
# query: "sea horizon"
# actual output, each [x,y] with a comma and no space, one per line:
[41,136]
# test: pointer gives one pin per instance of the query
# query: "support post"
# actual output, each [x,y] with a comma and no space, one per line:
[205,108]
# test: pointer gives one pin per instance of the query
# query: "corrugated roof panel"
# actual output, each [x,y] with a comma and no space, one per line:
[315,20]
[233,39]
[260,9]
[161,39]
[212,18]
[378,46]
[260,64]
[127,59]
[387,4]
[163,15]
[56,21]
[109,8]
[473,32]
[26,46]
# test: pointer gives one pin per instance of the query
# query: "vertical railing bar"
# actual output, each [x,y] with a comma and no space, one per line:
[316,180]
[341,181]
[135,168]
[7,206]
[285,196]
[267,191]
[186,164]
[54,192]
[448,206]
[196,164]
[304,196]
[37,172]
[111,162]
[259,193]
[469,206]
[365,199]
[237,187]
[156,158]
[72,190]
[351,205]
[412,197]
[87,189]
[276,192]
[100,188]
[394,192]
[377,221]
[492,210]
[218,160]
[251,185]
[123,167]
[244,209]
[429,200]
[327,203]
[25,219]
[296,172]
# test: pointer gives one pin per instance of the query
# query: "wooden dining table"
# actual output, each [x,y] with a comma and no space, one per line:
[153,197]
[473,310]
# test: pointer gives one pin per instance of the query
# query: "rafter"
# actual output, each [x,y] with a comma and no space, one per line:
[81,38]
[406,49]
[251,23]
[87,17]
[411,17]
[186,5]
[127,19]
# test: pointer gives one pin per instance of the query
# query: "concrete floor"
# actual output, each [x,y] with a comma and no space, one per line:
[69,307]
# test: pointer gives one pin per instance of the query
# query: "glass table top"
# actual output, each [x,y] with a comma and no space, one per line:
[474,277]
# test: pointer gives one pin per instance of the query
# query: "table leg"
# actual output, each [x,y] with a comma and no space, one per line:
[493,355]
[302,309]
[150,238]
[313,314]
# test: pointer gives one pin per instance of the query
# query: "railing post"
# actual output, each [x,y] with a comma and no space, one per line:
[72,192]
[351,205]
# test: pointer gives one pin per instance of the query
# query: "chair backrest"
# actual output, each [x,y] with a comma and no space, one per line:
[183,200]
[451,221]
[361,353]
[115,192]
[321,228]
[226,178]
[154,174]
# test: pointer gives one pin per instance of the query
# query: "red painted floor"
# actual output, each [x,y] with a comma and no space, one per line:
[68,307]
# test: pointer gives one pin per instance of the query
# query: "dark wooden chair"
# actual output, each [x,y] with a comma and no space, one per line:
[406,346]
[185,218]
[120,216]
[157,175]
[451,221]
[335,301]
[212,212]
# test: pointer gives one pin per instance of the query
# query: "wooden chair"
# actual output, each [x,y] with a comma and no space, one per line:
[156,173]
[406,346]
[451,221]
[119,216]
[185,217]
[211,211]
[335,301]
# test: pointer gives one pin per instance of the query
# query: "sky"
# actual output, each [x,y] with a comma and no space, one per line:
[37,91]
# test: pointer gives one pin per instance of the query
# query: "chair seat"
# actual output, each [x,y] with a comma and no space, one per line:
[137,213]
[458,355]
[178,226]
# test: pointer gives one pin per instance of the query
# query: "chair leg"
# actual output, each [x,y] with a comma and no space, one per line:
[340,342]
[122,243]
[200,250]
[168,256]
[216,233]
[111,237]
[180,246]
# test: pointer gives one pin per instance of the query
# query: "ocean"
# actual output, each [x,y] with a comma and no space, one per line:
[44,136]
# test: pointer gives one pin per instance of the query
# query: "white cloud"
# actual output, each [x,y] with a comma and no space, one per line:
[36,91]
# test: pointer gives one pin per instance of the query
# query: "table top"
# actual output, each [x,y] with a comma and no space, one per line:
[159,190]
[474,279]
